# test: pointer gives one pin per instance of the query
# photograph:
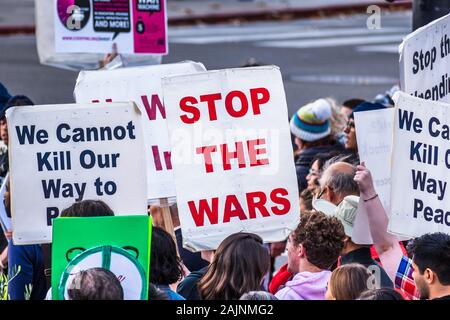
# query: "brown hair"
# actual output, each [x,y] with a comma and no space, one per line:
[88,208]
[307,197]
[321,236]
[238,266]
[348,281]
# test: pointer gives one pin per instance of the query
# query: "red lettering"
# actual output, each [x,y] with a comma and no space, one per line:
[257,201]
[206,151]
[286,205]
[230,203]
[204,207]
[189,109]
[229,104]
[150,108]
[253,152]
[227,155]
[211,100]
[97,101]
[256,101]
[157,159]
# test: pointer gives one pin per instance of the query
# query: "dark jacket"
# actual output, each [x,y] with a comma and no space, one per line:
[192,260]
[30,260]
[364,257]
[188,287]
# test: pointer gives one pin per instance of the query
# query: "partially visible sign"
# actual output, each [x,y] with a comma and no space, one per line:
[60,154]
[425,61]
[420,167]
[91,26]
[119,244]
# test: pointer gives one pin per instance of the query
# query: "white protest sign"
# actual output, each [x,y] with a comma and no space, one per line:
[420,167]
[374,136]
[425,61]
[232,155]
[4,219]
[141,85]
[60,154]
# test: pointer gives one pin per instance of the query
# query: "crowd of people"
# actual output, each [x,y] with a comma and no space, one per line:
[326,257]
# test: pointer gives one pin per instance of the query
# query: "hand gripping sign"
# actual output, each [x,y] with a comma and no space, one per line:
[143,86]
[119,244]
[232,155]
[60,154]
[420,167]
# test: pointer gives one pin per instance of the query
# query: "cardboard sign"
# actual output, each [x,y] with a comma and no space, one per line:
[119,244]
[420,167]
[60,154]
[143,86]
[92,26]
[425,61]
[374,136]
[232,155]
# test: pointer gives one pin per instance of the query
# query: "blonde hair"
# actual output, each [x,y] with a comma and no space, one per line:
[348,281]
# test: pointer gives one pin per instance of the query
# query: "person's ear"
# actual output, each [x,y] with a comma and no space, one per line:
[330,194]
[301,251]
[429,276]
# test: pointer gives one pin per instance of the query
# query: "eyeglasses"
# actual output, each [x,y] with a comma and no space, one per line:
[313,172]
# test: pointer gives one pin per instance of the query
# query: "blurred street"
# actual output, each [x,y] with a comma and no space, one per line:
[336,56]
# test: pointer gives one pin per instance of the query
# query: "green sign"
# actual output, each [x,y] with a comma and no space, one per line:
[120,244]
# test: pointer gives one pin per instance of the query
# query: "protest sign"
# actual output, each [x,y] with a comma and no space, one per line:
[119,244]
[4,219]
[47,20]
[232,155]
[374,137]
[425,61]
[136,26]
[60,154]
[143,86]
[420,167]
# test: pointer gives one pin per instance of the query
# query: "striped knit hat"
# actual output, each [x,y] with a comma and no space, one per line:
[312,121]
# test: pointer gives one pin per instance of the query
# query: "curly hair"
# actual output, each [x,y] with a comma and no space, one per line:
[322,237]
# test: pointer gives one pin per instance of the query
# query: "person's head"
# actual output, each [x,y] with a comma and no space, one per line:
[350,104]
[239,265]
[431,263]
[306,197]
[347,282]
[165,265]
[316,243]
[14,101]
[381,294]
[88,208]
[258,295]
[156,211]
[316,167]
[310,125]
[95,284]
[337,181]
[350,130]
